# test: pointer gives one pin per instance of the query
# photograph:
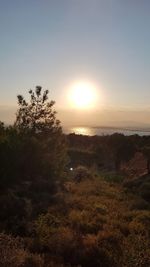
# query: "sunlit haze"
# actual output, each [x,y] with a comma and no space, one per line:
[92,55]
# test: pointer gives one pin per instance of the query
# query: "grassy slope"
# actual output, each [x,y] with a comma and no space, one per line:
[99,224]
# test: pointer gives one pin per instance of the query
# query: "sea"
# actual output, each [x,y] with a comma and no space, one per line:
[95,130]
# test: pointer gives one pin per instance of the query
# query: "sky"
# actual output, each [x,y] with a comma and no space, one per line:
[54,43]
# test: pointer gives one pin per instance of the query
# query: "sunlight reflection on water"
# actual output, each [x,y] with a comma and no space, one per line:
[105,131]
[82,130]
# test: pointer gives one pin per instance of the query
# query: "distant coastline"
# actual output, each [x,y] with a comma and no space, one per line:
[129,128]
[106,130]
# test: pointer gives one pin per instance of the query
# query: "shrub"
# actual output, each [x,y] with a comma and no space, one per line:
[86,222]
[140,222]
[145,191]
[140,204]
[113,177]
[13,253]
[81,173]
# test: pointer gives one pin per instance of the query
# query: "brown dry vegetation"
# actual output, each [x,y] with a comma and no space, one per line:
[92,223]
[52,216]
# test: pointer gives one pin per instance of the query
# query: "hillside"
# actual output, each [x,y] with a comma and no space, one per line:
[94,222]
[71,201]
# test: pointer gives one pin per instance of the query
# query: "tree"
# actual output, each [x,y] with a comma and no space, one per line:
[38,115]
[10,157]
[121,147]
[44,156]
[2,128]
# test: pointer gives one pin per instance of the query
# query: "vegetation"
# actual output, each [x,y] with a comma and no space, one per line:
[83,211]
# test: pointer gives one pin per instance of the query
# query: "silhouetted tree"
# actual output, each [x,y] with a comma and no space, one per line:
[45,147]
[38,115]
[32,158]
[121,147]
[1,127]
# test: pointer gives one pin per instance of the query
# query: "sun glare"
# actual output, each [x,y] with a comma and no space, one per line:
[83,95]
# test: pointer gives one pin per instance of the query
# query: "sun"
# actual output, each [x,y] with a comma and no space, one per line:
[82,95]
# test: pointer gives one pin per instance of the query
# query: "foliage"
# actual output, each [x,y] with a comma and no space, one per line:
[32,162]
[80,173]
[37,115]
[13,253]
[46,142]
[112,177]
[95,218]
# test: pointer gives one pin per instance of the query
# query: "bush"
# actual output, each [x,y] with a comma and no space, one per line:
[13,253]
[140,222]
[145,191]
[81,173]
[86,222]
[140,204]
[113,177]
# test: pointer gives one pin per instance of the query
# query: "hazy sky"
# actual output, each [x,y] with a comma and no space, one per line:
[56,42]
